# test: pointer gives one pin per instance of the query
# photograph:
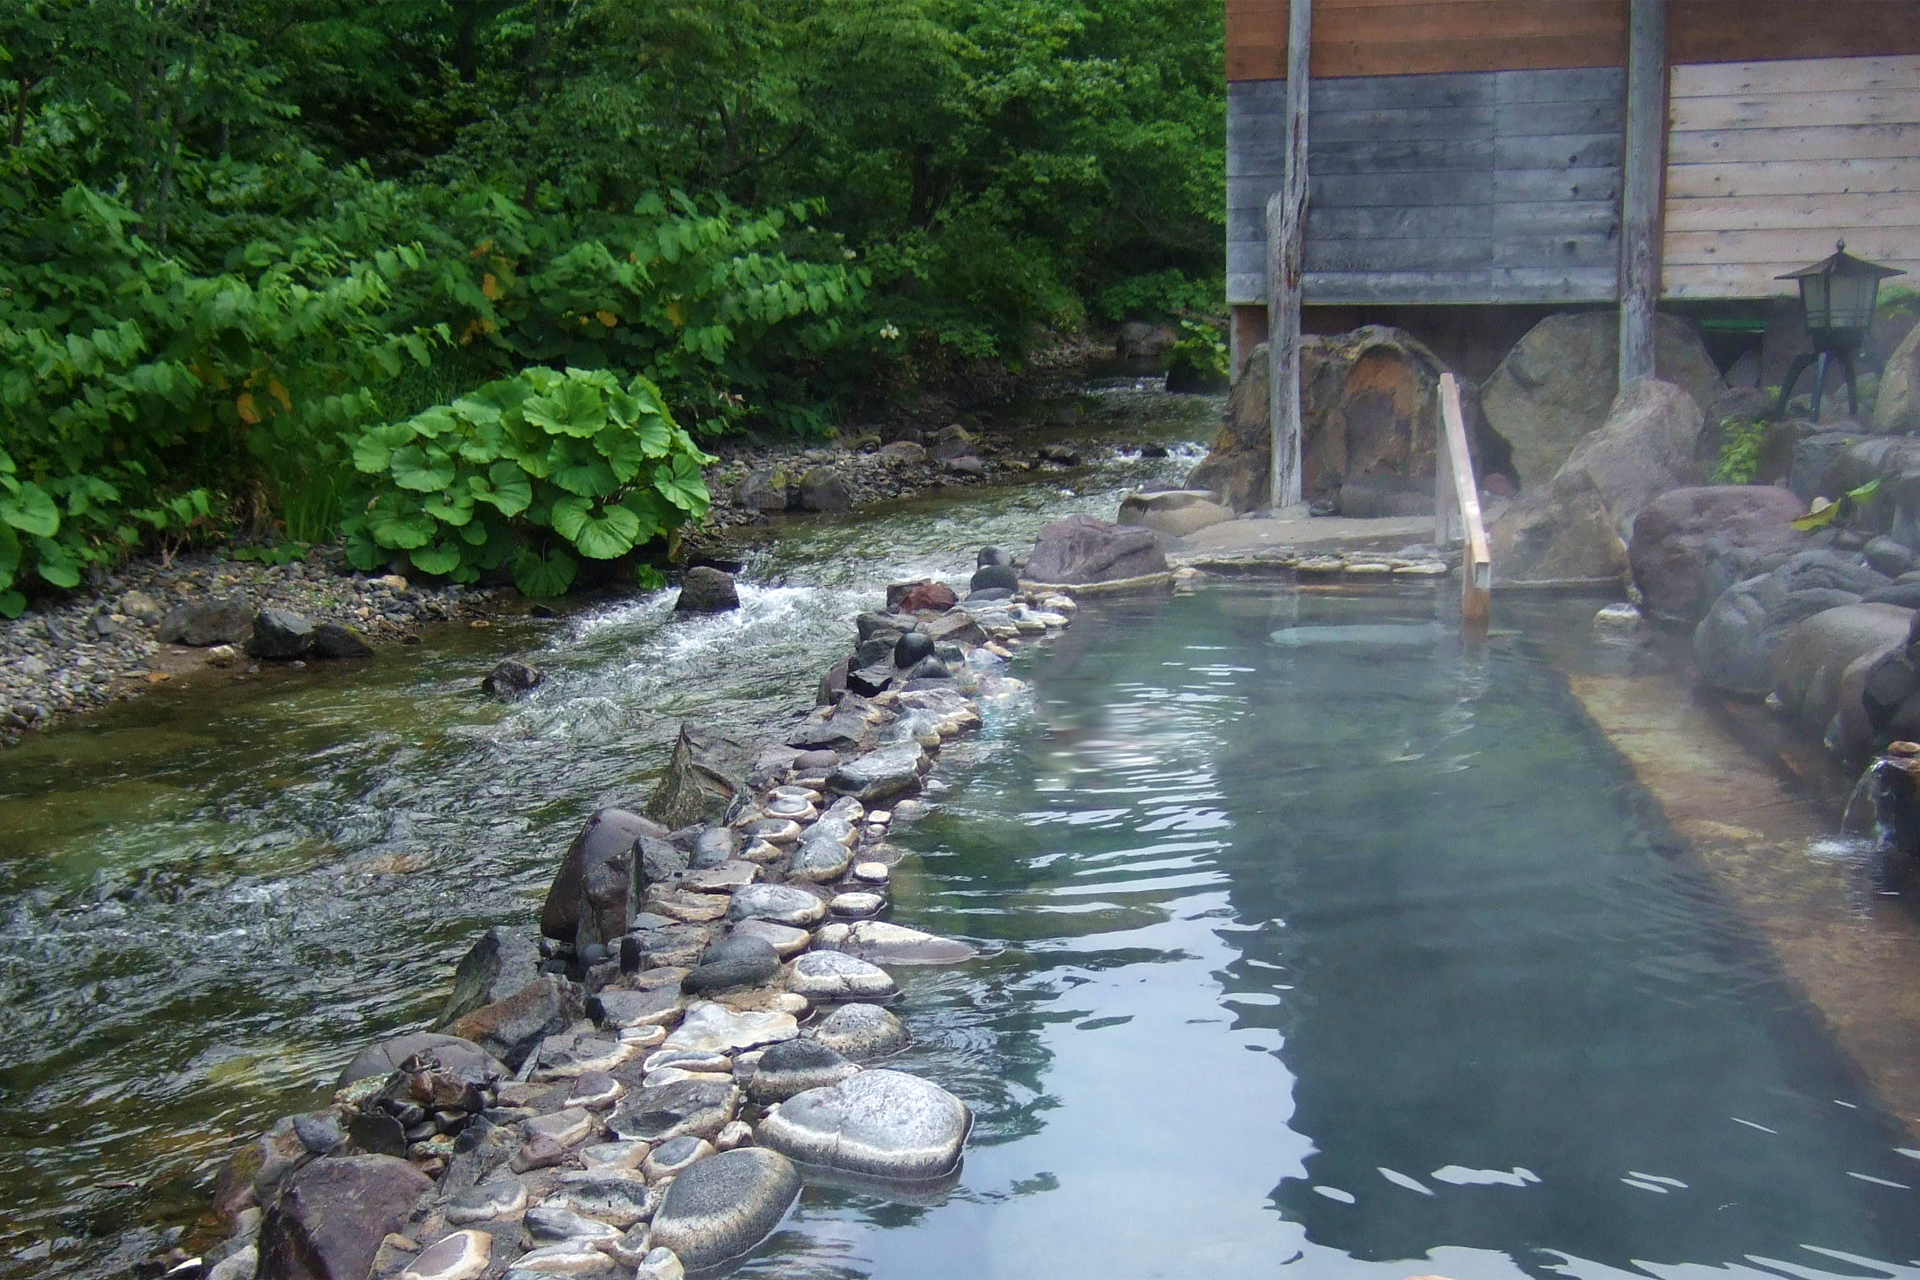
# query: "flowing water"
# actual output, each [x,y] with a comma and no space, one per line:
[1317,945]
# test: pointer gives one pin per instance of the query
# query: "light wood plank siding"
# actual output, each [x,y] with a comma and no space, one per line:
[1463,187]
[1770,162]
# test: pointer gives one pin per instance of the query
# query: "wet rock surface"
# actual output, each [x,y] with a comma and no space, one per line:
[879,1123]
[724,1205]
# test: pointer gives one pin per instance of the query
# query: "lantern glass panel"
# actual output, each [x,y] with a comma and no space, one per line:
[1851,302]
[1813,298]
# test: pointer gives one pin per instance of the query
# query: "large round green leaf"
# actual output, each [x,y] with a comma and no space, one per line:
[679,482]
[29,509]
[440,558]
[415,468]
[505,486]
[573,408]
[548,575]
[608,536]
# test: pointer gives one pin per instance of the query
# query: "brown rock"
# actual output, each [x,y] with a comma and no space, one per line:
[329,1221]
[1369,405]
[926,596]
[1558,384]
[1691,544]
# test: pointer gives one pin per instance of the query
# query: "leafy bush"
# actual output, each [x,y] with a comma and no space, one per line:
[527,472]
[1740,441]
[1202,348]
[141,398]
[1162,295]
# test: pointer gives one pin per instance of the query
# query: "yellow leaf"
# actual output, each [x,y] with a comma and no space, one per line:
[606,318]
[490,286]
[482,249]
[249,413]
[677,312]
[278,390]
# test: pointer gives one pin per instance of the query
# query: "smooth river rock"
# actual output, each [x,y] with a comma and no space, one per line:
[879,1124]
[795,1067]
[328,1222]
[860,1032]
[882,774]
[779,903]
[687,1107]
[834,975]
[886,943]
[723,1206]
[718,1029]
[460,1256]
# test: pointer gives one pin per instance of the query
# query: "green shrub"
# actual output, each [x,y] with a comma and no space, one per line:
[1740,442]
[527,472]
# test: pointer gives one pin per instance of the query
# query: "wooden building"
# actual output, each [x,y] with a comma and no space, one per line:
[1475,152]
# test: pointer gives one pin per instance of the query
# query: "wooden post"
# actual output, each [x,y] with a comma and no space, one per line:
[1462,504]
[1640,188]
[1286,244]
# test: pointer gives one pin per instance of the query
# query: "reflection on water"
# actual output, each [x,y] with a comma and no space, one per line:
[1351,959]
[211,897]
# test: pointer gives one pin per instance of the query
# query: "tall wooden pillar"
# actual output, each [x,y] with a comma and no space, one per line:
[1645,160]
[1286,246]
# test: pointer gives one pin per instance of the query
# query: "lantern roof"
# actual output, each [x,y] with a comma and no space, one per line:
[1842,263]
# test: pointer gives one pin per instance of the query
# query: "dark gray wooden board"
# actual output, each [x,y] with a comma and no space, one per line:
[1465,187]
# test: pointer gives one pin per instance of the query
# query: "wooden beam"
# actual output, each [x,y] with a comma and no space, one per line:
[1286,246]
[1456,511]
[1640,187]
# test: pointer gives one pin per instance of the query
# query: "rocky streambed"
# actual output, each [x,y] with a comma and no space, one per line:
[700,1020]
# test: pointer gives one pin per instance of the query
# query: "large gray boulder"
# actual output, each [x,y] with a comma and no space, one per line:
[330,1219]
[502,962]
[879,1124]
[594,894]
[1558,384]
[724,1205]
[204,623]
[1081,549]
[1574,527]
[881,775]
[706,772]
[1691,544]
[1815,654]
[706,589]
[512,1028]
[1734,645]
[1896,408]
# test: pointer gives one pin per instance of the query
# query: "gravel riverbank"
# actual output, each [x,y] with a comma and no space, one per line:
[109,640]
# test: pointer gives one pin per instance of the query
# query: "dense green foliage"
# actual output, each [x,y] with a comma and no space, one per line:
[519,470]
[236,235]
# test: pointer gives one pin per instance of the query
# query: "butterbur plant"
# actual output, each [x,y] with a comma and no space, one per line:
[529,472]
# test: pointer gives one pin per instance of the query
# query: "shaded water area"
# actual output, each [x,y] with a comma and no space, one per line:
[1331,953]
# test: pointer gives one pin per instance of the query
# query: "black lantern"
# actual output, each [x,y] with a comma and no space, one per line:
[1837,294]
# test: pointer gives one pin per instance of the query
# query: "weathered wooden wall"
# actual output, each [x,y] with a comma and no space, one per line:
[1406,37]
[1768,163]
[1462,187]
